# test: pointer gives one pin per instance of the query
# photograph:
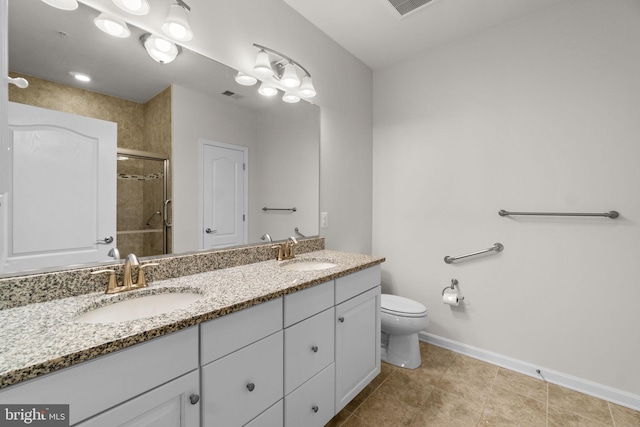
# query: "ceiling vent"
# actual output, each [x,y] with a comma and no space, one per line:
[231,94]
[406,6]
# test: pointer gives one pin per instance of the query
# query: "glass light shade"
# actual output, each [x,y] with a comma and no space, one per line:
[290,76]
[135,7]
[267,89]
[62,4]
[245,80]
[161,50]
[85,78]
[263,65]
[111,25]
[291,98]
[306,88]
[176,25]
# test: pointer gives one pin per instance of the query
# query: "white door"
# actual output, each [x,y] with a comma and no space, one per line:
[224,195]
[61,198]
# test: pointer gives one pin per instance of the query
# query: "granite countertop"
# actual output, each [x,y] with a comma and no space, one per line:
[43,337]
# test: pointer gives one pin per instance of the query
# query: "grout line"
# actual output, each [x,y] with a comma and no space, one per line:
[547,408]
[613,420]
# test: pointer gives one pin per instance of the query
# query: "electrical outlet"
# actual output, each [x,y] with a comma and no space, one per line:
[324,219]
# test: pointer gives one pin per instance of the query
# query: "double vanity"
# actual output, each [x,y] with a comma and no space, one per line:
[264,344]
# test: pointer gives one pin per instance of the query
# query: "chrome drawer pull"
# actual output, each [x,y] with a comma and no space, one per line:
[314,348]
[315,408]
[251,386]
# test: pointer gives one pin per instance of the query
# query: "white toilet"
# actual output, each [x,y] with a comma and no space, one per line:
[401,320]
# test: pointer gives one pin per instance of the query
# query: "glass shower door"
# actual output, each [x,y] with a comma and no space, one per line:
[142,204]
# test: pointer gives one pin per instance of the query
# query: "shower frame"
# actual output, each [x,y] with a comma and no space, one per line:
[147,155]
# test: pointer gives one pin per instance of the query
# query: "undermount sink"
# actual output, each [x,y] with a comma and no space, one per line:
[310,265]
[139,308]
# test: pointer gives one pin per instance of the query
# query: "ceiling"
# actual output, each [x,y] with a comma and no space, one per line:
[374,32]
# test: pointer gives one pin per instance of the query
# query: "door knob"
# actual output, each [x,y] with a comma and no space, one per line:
[210,231]
[194,398]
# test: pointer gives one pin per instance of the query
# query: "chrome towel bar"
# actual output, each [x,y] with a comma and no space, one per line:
[610,214]
[497,247]
[279,209]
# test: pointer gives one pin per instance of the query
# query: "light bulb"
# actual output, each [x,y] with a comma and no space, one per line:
[176,25]
[306,88]
[111,25]
[245,80]
[263,65]
[267,89]
[290,76]
[62,4]
[135,7]
[291,98]
[161,50]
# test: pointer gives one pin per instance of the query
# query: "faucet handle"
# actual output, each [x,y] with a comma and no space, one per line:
[142,282]
[280,255]
[112,286]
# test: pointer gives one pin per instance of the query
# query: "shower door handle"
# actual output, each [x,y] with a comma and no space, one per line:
[166,213]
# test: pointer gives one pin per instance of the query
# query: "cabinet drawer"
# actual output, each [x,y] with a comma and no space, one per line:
[113,378]
[356,283]
[312,404]
[241,385]
[308,348]
[221,336]
[304,304]
[272,417]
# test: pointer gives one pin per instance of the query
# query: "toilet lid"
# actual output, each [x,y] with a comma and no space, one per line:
[401,305]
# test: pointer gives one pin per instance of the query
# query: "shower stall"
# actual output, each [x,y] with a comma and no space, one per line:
[144,206]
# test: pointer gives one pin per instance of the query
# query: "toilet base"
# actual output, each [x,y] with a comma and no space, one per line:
[401,350]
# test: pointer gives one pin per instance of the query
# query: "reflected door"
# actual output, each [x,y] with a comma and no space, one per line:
[223,195]
[60,204]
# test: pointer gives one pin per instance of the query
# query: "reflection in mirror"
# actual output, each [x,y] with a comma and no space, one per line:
[171,111]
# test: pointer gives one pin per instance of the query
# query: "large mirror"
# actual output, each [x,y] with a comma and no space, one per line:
[173,112]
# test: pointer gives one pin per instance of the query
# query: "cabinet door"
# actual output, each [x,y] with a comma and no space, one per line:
[357,345]
[238,387]
[170,405]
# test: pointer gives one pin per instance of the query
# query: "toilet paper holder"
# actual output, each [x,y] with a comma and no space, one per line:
[454,283]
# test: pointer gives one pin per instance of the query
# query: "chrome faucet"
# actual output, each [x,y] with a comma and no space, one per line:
[114,253]
[266,237]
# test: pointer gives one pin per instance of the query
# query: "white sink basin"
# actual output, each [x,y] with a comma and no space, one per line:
[139,308]
[311,265]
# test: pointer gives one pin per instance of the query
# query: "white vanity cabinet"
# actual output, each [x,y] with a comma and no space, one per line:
[242,369]
[357,317]
[110,382]
[309,344]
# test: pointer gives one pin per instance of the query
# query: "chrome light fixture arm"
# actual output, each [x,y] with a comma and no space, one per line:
[284,57]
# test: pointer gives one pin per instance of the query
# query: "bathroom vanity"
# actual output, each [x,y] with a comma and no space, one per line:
[284,348]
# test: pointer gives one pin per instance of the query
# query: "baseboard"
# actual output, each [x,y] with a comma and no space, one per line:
[610,394]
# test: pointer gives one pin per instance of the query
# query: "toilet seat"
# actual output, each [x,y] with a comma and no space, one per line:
[400,306]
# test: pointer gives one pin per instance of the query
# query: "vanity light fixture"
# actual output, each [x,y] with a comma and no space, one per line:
[111,25]
[283,69]
[160,49]
[245,79]
[62,4]
[176,25]
[134,7]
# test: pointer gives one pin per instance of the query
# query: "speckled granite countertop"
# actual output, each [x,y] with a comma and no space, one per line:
[43,337]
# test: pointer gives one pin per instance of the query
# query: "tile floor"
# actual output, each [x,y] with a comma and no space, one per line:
[452,390]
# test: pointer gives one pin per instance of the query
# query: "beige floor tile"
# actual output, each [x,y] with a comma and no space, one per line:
[384,409]
[431,352]
[432,368]
[557,417]
[354,421]
[507,408]
[339,419]
[578,403]
[385,370]
[406,388]
[624,417]
[448,410]
[522,384]
[361,397]
[468,378]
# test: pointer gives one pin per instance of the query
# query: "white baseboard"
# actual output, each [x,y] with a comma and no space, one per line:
[610,394]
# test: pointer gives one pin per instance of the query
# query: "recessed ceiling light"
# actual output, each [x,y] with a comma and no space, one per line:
[85,78]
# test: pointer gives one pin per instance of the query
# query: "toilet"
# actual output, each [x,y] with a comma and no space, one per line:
[401,320]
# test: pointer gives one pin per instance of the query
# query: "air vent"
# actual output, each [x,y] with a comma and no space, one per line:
[231,94]
[405,6]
